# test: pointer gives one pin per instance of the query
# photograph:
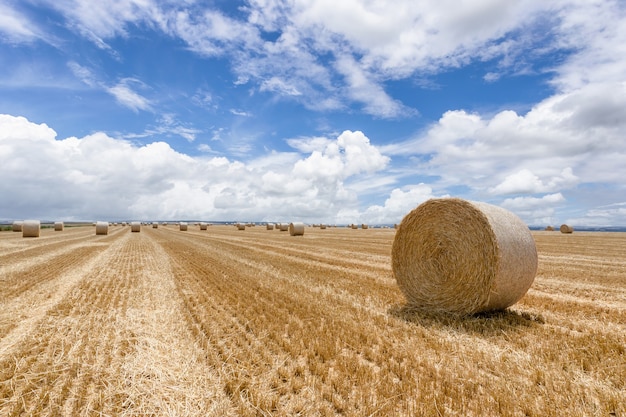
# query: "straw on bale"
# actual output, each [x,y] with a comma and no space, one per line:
[183,226]
[203,226]
[102,228]
[135,226]
[31,228]
[269,226]
[567,228]
[461,257]
[58,226]
[296,229]
[17,226]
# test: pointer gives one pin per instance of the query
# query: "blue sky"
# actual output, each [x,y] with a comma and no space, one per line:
[336,112]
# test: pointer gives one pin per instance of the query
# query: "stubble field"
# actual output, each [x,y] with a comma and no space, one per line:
[259,323]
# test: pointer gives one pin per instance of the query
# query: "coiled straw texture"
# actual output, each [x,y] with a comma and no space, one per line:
[455,256]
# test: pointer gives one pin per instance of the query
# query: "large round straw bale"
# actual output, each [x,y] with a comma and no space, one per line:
[17,226]
[296,229]
[31,228]
[269,226]
[183,226]
[203,225]
[456,256]
[155,225]
[102,228]
[284,227]
[58,226]
[567,228]
[135,226]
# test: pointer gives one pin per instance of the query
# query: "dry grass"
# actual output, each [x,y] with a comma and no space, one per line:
[165,323]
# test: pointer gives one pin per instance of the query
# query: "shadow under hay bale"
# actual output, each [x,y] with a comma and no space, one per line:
[485,324]
[454,256]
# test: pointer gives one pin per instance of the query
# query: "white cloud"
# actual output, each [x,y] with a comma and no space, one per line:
[525,182]
[76,178]
[15,27]
[536,211]
[399,204]
[127,97]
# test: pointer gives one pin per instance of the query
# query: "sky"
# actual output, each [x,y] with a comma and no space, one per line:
[338,112]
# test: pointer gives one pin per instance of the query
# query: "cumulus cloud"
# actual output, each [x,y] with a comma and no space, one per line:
[536,210]
[399,203]
[98,176]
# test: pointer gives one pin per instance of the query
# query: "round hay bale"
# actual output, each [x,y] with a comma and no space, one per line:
[17,226]
[183,226]
[155,225]
[322,226]
[566,228]
[135,227]
[354,226]
[203,226]
[102,228]
[364,226]
[455,256]
[549,228]
[58,226]
[296,229]
[31,228]
[284,227]
[241,226]
[269,226]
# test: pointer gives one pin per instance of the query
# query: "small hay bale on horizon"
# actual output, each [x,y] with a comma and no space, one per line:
[241,226]
[565,228]
[16,226]
[549,229]
[135,227]
[102,228]
[283,227]
[203,225]
[155,225]
[182,226]
[269,226]
[58,226]
[296,229]
[364,226]
[31,228]
[455,256]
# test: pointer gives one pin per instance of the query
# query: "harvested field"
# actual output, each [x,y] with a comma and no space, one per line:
[260,323]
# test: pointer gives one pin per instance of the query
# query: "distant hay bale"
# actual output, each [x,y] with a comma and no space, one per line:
[322,226]
[31,228]
[566,228]
[155,225]
[58,226]
[296,229]
[102,228]
[364,226]
[269,226]
[135,226]
[549,228]
[461,257]
[203,226]
[17,226]
[354,226]
[241,226]
[283,227]
[183,226]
